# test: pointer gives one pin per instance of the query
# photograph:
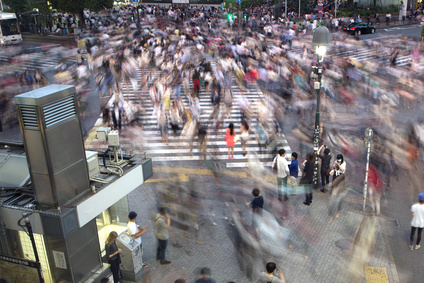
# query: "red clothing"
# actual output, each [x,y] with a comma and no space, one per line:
[196,85]
[374,179]
[230,138]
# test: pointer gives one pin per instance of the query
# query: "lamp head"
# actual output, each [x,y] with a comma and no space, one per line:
[321,37]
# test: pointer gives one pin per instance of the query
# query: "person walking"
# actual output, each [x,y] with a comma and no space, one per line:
[162,222]
[417,223]
[244,135]
[325,167]
[113,255]
[280,164]
[229,138]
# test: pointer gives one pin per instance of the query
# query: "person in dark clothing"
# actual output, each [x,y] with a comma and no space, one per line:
[205,276]
[307,178]
[325,167]
[113,255]
[258,202]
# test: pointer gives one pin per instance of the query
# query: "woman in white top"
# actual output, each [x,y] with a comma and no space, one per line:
[417,221]
[339,166]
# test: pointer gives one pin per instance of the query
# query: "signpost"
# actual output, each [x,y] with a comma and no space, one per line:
[367,141]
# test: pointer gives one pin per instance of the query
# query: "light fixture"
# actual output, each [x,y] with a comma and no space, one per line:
[320,40]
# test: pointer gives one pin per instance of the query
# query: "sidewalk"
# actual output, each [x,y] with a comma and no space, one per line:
[320,252]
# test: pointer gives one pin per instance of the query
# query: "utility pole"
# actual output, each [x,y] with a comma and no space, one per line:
[367,142]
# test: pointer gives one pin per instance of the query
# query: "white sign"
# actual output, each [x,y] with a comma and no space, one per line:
[59,260]
[422,19]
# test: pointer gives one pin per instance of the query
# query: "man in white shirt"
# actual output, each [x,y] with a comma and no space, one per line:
[135,231]
[280,163]
[417,223]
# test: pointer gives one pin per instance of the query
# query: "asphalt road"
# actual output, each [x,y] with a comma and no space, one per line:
[411,31]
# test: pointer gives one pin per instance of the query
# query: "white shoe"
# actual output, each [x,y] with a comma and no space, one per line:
[417,247]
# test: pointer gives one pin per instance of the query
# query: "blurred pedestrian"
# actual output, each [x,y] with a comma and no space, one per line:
[244,135]
[162,223]
[417,223]
[205,276]
[280,165]
[272,274]
[113,255]
[39,79]
[375,189]
[29,80]
[229,138]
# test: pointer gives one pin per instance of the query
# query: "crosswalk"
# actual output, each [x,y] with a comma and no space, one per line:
[178,147]
[363,55]
[37,59]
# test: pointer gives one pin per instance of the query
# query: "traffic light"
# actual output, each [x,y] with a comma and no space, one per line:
[245,15]
[132,17]
[230,17]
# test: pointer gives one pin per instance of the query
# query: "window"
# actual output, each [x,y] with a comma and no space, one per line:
[9,27]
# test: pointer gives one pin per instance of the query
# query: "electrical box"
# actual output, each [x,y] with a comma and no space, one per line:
[103,133]
[92,163]
[113,138]
[131,256]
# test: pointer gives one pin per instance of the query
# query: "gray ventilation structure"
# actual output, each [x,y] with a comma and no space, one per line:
[54,146]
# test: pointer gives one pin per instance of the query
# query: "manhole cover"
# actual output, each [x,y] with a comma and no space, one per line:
[344,244]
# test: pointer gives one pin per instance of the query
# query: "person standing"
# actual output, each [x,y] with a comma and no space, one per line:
[162,222]
[135,231]
[417,222]
[294,172]
[113,255]
[325,167]
[281,165]
[307,178]
[271,275]
[229,138]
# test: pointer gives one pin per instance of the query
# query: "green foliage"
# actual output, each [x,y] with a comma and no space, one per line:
[370,11]
[18,6]
[77,6]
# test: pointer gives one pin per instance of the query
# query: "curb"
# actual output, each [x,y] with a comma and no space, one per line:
[393,268]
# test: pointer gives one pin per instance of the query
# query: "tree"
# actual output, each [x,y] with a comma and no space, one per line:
[18,6]
[77,6]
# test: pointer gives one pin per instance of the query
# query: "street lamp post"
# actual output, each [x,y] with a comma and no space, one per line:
[321,39]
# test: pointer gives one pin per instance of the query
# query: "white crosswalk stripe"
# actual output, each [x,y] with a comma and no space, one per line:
[362,55]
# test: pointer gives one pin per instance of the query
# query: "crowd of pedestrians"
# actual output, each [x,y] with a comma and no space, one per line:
[182,51]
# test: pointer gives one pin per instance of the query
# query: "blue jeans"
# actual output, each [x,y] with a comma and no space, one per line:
[177,92]
[282,188]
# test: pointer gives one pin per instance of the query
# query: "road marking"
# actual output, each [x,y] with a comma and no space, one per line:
[376,274]
[244,164]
